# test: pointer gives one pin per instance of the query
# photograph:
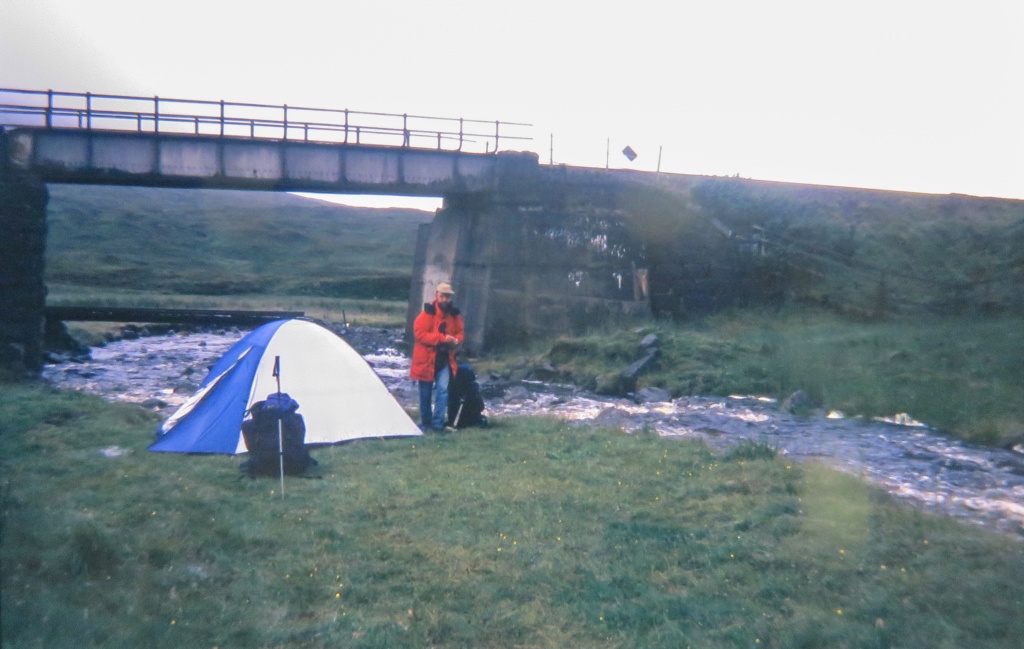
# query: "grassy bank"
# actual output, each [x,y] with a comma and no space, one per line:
[385,313]
[962,375]
[527,534]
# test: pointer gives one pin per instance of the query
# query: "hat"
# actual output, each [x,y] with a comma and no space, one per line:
[445,287]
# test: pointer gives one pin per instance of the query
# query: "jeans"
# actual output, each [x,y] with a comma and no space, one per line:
[436,416]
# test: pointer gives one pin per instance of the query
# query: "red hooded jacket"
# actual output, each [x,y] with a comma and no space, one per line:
[427,330]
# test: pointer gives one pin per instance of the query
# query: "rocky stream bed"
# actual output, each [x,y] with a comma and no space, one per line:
[911,461]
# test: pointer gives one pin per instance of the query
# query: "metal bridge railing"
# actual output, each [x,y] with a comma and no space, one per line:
[53,109]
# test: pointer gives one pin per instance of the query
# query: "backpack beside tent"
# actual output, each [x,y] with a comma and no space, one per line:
[465,402]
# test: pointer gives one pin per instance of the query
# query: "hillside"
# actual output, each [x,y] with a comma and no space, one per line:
[712,243]
[879,252]
[725,242]
[216,242]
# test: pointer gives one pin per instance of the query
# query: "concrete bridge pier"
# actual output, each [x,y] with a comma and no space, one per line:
[531,263]
[23,199]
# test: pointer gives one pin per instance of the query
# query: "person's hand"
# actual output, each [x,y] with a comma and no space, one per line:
[451,340]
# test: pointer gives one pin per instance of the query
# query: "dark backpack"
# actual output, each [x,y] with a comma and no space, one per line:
[465,403]
[260,432]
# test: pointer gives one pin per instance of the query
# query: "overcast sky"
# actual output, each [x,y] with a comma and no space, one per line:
[895,94]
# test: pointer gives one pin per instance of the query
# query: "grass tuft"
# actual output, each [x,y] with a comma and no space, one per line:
[749,450]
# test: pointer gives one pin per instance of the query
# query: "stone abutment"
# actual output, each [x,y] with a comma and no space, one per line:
[23,199]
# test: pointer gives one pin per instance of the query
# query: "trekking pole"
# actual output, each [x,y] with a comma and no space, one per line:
[462,403]
[280,425]
[280,451]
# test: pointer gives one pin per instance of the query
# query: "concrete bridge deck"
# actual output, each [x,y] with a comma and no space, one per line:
[154,141]
[189,161]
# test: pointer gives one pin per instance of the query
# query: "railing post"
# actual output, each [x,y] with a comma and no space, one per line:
[197,124]
[88,110]
[49,109]
[346,126]
[222,117]
[496,123]
[286,121]
[405,129]
[156,114]
[460,133]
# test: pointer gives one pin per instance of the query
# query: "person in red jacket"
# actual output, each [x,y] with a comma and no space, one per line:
[438,332]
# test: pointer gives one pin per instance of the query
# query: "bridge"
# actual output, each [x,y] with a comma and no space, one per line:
[530,248]
[114,139]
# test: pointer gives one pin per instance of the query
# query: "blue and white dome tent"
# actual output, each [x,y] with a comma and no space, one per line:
[339,395]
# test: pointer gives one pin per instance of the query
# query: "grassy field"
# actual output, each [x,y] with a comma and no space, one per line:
[530,533]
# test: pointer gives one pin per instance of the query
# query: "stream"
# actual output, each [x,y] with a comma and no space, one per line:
[914,463]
